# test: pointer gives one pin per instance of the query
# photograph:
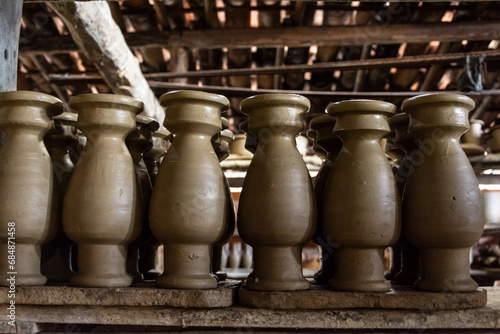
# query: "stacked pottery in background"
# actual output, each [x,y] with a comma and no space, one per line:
[139,141]
[189,202]
[56,255]
[102,206]
[277,208]
[361,213]
[327,146]
[26,177]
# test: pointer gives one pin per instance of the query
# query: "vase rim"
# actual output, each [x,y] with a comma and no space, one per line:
[399,118]
[322,120]
[162,132]
[150,122]
[361,105]
[57,107]
[275,99]
[227,134]
[67,116]
[195,95]
[436,98]
[136,104]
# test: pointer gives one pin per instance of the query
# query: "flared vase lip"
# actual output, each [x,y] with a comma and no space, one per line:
[136,104]
[162,132]
[227,134]
[56,108]
[225,123]
[150,122]
[321,120]
[181,95]
[67,116]
[399,118]
[363,106]
[279,99]
[436,98]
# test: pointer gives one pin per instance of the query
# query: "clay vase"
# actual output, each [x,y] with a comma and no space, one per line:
[361,212]
[139,141]
[251,141]
[102,206]
[152,157]
[277,207]
[328,145]
[56,255]
[443,207]
[188,204]
[406,255]
[222,151]
[26,177]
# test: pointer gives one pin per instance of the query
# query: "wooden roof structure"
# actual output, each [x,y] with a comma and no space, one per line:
[325,50]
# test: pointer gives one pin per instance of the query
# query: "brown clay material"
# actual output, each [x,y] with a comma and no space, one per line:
[328,145]
[189,201]
[139,141]
[251,141]
[277,208]
[28,198]
[56,255]
[102,207]
[443,207]
[361,204]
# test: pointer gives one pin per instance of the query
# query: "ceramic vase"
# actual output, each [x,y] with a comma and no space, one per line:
[102,206]
[361,213]
[222,151]
[407,256]
[443,207]
[277,207]
[189,200]
[28,198]
[328,145]
[56,255]
[152,157]
[251,141]
[139,141]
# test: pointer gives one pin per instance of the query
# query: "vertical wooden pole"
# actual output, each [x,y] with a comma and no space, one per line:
[10,26]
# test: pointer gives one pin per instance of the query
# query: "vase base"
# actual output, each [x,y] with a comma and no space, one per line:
[100,281]
[194,282]
[359,286]
[264,284]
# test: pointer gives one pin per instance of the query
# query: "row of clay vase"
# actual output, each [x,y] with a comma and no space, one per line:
[441,214]
[353,211]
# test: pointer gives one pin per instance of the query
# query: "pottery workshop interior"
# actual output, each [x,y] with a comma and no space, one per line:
[260,166]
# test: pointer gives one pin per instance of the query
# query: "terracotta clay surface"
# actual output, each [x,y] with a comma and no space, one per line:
[102,211]
[443,207]
[29,205]
[361,213]
[189,202]
[277,207]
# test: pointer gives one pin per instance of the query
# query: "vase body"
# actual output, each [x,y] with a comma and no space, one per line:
[361,212]
[102,208]
[26,176]
[56,255]
[222,151]
[189,203]
[139,141]
[328,146]
[277,208]
[443,207]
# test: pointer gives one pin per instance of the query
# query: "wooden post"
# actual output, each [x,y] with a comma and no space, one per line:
[10,26]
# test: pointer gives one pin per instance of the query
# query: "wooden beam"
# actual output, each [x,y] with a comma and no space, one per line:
[10,26]
[99,37]
[291,37]
[409,61]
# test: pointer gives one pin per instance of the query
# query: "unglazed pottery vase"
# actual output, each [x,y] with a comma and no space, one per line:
[152,157]
[277,207]
[443,207]
[361,212]
[102,206]
[222,151]
[189,201]
[405,256]
[139,141]
[56,255]
[328,145]
[28,199]
[251,141]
